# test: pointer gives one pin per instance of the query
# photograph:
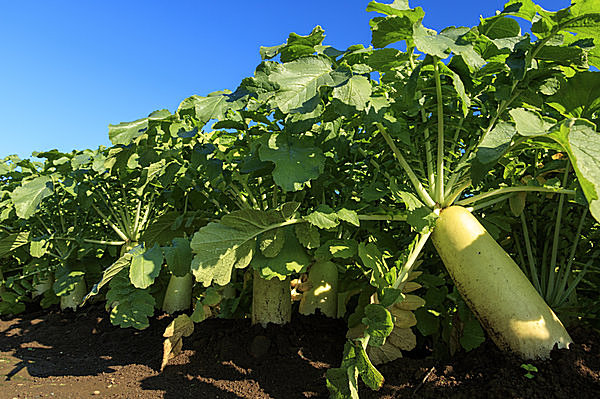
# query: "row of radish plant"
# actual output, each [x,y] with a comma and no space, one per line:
[321,179]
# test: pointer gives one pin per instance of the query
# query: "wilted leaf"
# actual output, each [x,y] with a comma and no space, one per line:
[181,327]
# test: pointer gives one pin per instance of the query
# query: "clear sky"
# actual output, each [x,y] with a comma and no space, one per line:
[69,68]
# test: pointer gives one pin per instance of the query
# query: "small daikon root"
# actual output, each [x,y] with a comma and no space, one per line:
[322,290]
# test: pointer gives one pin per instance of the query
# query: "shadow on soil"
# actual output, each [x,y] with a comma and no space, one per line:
[77,344]
[231,359]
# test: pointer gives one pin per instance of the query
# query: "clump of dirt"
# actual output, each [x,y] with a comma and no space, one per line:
[75,355]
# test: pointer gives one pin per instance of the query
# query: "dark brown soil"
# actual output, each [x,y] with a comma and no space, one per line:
[82,355]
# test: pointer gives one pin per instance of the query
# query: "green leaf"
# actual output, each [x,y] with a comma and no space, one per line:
[299,82]
[472,335]
[368,373]
[30,194]
[396,8]
[38,248]
[499,27]
[323,217]
[308,235]
[125,132]
[588,24]
[271,242]
[578,97]
[337,249]
[10,304]
[198,315]
[529,123]
[397,26]
[145,266]
[348,216]
[355,93]
[179,257]
[459,87]
[214,106]
[379,323]
[526,9]
[427,322]
[296,46]
[492,148]
[12,242]
[122,263]
[219,247]
[130,306]
[291,259]
[517,203]
[496,142]
[571,56]
[288,209]
[165,228]
[420,217]
[372,259]
[66,280]
[296,161]
[582,142]
[390,296]
[211,297]
[342,382]
[218,250]
[446,42]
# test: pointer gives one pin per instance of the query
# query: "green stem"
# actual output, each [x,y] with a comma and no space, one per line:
[261,195]
[8,229]
[555,243]
[43,224]
[375,164]
[391,218]
[275,197]
[428,158]
[146,218]
[567,270]
[238,195]
[115,220]
[456,134]
[125,220]
[99,242]
[501,108]
[138,210]
[532,268]
[520,253]
[410,261]
[516,189]
[574,284]
[452,196]
[126,210]
[107,203]
[485,204]
[250,195]
[439,185]
[111,224]
[411,174]
[545,268]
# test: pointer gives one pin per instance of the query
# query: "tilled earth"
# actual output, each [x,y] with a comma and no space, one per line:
[80,355]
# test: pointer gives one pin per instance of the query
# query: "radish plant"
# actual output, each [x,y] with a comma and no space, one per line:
[447,124]
[328,172]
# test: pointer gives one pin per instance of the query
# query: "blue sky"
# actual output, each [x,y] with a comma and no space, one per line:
[69,68]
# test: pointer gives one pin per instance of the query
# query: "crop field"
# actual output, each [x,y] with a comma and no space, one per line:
[414,218]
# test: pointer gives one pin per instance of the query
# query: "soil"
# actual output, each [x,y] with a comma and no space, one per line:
[79,355]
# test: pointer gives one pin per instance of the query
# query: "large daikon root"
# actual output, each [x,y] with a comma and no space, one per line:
[497,291]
